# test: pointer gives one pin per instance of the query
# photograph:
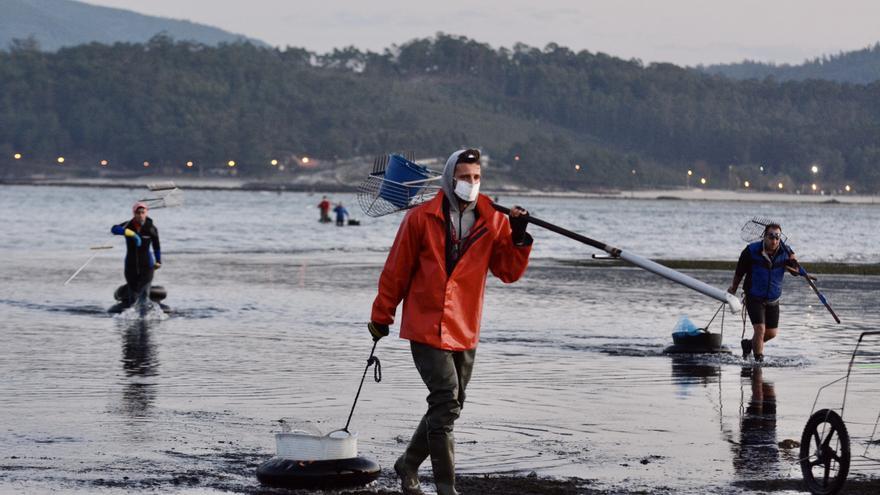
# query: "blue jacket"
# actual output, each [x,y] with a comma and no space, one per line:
[764,279]
[341,213]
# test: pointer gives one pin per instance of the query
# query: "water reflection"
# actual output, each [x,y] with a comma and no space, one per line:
[757,452]
[139,362]
[688,370]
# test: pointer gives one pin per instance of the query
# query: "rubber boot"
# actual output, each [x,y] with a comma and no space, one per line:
[442,449]
[747,347]
[409,480]
[407,465]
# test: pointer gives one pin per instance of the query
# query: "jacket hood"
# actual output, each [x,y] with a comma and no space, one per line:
[448,175]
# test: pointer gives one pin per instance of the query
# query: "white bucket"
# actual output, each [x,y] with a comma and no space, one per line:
[299,445]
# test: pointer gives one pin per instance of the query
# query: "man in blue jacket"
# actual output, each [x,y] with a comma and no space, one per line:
[140,234]
[763,263]
[341,213]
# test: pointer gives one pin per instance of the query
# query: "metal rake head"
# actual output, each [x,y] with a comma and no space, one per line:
[379,195]
[165,195]
[753,230]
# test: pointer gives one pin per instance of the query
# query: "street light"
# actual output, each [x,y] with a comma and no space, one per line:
[146,164]
[814,169]
[60,159]
[189,164]
[747,184]
[17,156]
[305,160]
[273,162]
[779,185]
[230,163]
[813,187]
[848,189]
[690,173]
[703,181]
[577,166]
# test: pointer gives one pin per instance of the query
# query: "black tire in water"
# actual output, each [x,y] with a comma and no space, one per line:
[326,475]
[825,455]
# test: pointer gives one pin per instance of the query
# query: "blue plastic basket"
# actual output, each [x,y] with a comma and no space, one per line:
[398,172]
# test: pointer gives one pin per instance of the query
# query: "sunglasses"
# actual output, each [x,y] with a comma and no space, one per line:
[774,235]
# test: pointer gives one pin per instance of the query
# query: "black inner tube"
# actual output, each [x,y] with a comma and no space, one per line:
[326,474]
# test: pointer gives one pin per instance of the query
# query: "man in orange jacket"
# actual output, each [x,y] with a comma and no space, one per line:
[438,267]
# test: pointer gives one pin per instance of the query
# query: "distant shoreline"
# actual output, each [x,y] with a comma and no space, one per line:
[231,184]
[816,268]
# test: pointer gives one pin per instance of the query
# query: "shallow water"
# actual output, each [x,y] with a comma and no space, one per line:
[268,322]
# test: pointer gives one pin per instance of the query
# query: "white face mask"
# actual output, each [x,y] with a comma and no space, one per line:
[467,191]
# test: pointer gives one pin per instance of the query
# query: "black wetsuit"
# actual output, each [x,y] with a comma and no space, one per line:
[139,261]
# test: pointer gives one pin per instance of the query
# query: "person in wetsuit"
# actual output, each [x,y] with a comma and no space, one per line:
[140,234]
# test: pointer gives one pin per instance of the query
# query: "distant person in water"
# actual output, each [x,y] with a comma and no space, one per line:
[341,213]
[140,234]
[763,263]
[324,206]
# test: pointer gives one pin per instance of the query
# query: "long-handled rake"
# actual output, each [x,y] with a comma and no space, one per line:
[397,184]
[98,249]
[753,230]
[164,195]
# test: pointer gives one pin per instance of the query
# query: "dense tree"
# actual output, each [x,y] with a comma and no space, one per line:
[537,112]
[859,66]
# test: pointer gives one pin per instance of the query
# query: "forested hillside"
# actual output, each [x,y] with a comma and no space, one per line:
[857,67]
[549,117]
[53,24]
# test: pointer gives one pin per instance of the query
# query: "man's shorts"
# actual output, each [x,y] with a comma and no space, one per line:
[763,311]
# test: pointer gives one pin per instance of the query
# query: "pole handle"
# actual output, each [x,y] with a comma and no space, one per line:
[638,261]
[565,232]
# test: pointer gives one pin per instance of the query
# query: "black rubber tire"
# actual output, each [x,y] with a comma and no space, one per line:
[329,474]
[820,451]
[157,294]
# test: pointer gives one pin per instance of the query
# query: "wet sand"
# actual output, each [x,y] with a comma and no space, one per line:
[190,402]
[237,468]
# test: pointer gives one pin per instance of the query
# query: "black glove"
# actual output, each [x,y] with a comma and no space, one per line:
[377,330]
[793,264]
[518,225]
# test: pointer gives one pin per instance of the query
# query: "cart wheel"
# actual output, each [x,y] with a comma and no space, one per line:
[825,453]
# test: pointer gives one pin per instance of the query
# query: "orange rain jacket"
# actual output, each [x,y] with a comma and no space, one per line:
[439,310]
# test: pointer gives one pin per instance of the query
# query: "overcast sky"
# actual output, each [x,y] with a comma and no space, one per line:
[685,32]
